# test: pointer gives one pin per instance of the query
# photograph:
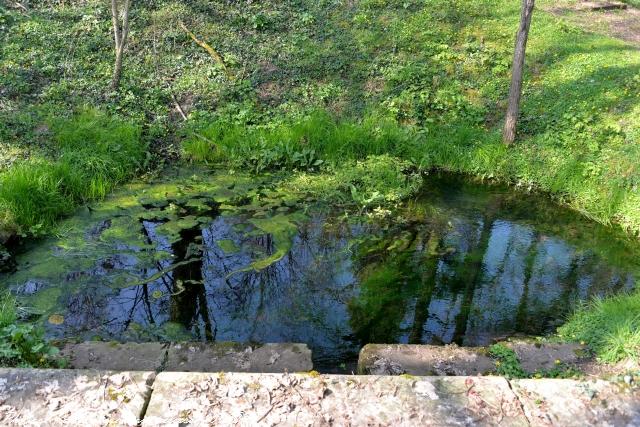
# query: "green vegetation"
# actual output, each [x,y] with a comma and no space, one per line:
[439,67]
[22,345]
[634,3]
[351,98]
[508,365]
[610,326]
[507,362]
[93,154]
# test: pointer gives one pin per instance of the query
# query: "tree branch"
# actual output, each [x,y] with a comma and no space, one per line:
[114,21]
[212,52]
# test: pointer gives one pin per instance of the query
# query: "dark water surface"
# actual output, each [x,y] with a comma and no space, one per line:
[466,263]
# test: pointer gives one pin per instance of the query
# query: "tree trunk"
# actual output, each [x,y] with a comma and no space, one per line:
[513,109]
[117,70]
[120,34]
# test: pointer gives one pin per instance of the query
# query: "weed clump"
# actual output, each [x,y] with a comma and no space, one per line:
[507,362]
[23,344]
[610,326]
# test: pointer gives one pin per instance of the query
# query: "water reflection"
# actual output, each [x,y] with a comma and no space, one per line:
[468,264]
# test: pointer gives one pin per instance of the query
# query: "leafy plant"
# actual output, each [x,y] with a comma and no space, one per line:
[23,344]
[507,362]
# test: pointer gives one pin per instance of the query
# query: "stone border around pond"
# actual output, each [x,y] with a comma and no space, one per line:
[93,398]
[419,359]
[188,357]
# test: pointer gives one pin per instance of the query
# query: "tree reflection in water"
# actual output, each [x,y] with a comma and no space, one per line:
[467,264]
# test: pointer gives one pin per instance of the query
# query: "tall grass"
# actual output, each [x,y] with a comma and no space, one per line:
[8,314]
[611,326]
[96,152]
[303,143]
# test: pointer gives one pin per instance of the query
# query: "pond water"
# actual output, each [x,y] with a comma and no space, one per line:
[231,259]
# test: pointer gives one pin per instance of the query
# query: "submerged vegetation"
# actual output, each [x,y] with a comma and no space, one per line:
[349,102]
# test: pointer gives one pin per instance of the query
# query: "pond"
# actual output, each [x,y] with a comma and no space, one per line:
[229,258]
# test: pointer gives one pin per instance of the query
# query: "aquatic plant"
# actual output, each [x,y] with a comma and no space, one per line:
[375,181]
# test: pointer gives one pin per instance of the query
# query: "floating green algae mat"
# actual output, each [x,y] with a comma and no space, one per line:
[234,258]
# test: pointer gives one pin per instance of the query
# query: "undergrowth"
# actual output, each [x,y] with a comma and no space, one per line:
[23,344]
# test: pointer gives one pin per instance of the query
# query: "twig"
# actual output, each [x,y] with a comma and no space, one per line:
[265,414]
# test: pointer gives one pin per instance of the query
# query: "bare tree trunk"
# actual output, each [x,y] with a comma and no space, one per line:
[513,109]
[120,34]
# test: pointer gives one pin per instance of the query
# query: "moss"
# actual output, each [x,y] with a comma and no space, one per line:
[283,229]
[228,246]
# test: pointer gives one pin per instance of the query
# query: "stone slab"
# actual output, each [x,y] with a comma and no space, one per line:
[33,397]
[546,356]
[246,399]
[115,356]
[568,403]
[235,357]
[395,359]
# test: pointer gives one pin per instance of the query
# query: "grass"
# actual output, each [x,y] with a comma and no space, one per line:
[634,3]
[304,143]
[611,327]
[8,315]
[318,87]
[95,153]
[438,66]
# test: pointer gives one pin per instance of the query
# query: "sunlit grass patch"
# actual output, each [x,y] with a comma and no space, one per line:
[96,152]
[610,326]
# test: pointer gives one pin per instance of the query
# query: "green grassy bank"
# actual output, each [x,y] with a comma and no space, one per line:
[91,153]
[317,87]
[438,66]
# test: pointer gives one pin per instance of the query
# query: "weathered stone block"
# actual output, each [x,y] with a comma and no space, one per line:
[235,357]
[72,398]
[395,359]
[115,356]
[546,356]
[319,400]
[568,403]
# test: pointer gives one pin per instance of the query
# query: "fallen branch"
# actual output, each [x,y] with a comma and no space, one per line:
[212,52]
[178,107]
[19,5]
